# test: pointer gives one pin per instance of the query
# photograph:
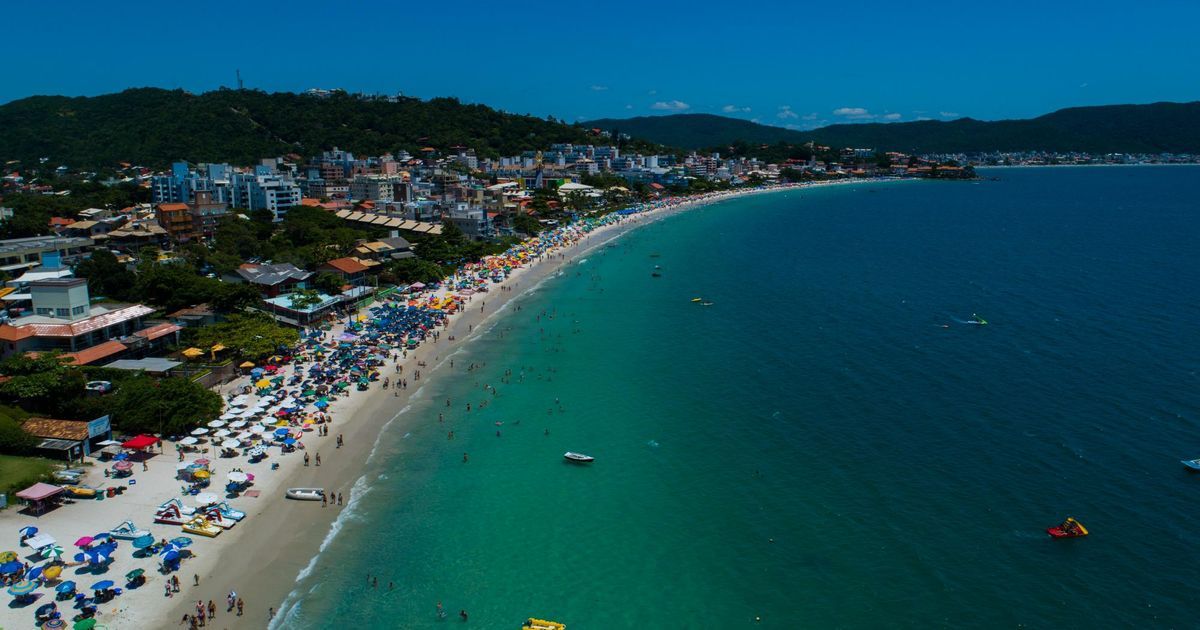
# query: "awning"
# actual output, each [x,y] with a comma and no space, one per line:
[140,442]
[192,353]
[39,492]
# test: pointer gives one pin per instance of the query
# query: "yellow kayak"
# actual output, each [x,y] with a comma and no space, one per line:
[542,624]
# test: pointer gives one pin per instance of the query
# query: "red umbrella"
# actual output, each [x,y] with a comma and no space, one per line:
[85,541]
[123,465]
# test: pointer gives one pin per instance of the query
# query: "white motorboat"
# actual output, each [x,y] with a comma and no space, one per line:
[305,494]
[578,457]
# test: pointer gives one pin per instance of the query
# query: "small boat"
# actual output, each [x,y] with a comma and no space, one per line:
[128,531]
[697,299]
[977,320]
[542,624]
[305,494]
[1070,528]
[706,304]
[1194,464]
[578,457]
[200,527]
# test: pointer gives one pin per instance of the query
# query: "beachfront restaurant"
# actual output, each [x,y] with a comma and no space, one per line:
[71,440]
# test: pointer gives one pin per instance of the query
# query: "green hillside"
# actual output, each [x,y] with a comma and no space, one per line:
[153,127]
[1154,128]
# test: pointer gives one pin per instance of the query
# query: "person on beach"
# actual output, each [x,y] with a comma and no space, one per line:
[306,459]
[212,610]
[240,605]
[271,613]
[318,459]
[339,498]
[324,501]
[195,579]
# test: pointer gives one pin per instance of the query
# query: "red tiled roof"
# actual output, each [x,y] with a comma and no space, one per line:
[172,206]
[309,201]
[95,353]
[161,330]
[347,265]
[13,333]
[90,324]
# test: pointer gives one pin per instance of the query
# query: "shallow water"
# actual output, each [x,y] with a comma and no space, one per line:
[829,444]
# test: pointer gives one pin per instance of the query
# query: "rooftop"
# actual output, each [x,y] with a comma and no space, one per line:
[271,275]
[76,430]
[15,245]
[153,365]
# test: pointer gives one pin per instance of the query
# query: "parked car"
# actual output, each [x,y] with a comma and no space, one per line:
[101,387]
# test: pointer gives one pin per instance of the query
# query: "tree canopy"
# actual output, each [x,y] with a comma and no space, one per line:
[251,336]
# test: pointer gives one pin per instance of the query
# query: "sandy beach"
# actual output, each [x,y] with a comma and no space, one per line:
[261,556]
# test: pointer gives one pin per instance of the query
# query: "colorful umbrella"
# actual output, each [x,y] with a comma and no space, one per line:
[53,571]
[181,542]
[22,588]
[85,624]
[10,567]
[102,585]
[27,531]
[34,573]
[141,542]
[54,624]
[134,574]
[83,542]
[201,474]
[52,551]
[203,461]
[123,465]
[65,587]
[8,556]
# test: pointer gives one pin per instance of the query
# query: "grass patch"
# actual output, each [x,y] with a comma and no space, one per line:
[18,473]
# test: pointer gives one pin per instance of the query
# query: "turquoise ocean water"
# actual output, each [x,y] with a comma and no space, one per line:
[829,444]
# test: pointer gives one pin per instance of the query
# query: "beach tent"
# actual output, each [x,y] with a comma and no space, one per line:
[140,442]
[39,495]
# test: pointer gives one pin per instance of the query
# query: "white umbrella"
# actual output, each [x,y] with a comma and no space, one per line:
[206,499]
[231,443]
[199,431]
[216,424]
[188,441]
[239,400]
[238,477]
[237,424]
[249,413]
[242,435]
[222,433]
[258,428]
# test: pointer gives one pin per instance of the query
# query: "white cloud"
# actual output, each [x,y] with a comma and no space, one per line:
[786,113]
[673,106]
[948,114]
[891,116]
[734,109]
[599,88]
[851,112]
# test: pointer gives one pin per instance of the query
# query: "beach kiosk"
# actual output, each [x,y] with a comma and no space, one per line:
[40,497]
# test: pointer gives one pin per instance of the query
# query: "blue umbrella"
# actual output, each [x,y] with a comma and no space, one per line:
[141,542]
[10,567]
[281,432]
[27,531]
[170,556]
[65,587]
[290,441]
[102,585]
[168,549]
[79,557]
[121,457]
[321,404]
[181,542]
[33,574]
[102,536]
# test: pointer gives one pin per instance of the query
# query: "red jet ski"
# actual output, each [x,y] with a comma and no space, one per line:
[1070,528]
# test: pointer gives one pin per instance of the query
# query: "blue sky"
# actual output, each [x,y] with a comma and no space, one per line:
[799,64]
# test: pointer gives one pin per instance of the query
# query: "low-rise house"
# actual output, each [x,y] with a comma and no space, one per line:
[69,439]
[393,247]
[271,280]
[64,319]
[350,270]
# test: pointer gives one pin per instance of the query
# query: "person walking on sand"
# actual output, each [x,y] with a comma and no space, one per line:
[318,459]
[212,610]
[324,501]
[240,605]
[339,498]
[306,459]
[195,579]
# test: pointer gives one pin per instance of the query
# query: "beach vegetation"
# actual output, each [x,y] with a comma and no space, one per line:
[251,336]
[168,406]
[18,473]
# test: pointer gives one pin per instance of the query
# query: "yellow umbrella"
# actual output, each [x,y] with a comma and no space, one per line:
[201,474]
[8,556]
[246,365]
[53,571]
[217,348]
[192,353]
[263,384]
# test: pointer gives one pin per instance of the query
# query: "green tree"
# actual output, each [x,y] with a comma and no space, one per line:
[106,277]
[328,283]
[251,336]
[527,225]
[170,406]
[41,383]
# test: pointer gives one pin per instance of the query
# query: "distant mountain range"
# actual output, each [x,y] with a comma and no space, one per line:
[1154,128]
[154,127]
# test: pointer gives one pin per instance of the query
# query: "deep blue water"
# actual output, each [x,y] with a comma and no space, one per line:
[829,444]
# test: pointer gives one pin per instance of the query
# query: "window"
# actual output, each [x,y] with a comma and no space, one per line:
[45,311]
[78,310]
[64,312]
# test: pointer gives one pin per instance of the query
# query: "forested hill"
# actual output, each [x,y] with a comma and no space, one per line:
[1153,128]
[153,127]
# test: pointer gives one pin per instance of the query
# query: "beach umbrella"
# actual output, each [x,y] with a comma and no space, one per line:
[101,536]
[230,415]
[52,572]
[201,474]
[206,499]
[238,424]
[22,588]
[256,451]
[134,574]
[188,441]
[52,551]
[84,541]
[199,431]
[289,441]
[216,424]
[181,542]
[121,457]
[141,542]
[8,556]
[263,384]
[238,477]
[123,465]
[27,531]
[203,461]
[34,573]
[45,610]
[222,433]
[231,443]
[54,624]
[85,624]
[281,432]
[102,585]
[65,587]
